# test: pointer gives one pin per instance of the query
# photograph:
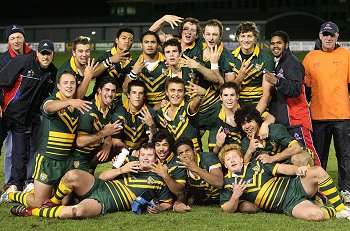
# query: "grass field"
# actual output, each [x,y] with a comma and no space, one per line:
[200,218]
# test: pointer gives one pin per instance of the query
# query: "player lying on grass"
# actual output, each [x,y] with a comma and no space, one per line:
[263,185]
[114,191]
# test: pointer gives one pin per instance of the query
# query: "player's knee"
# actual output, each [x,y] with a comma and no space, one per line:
[301,159]
[71,176]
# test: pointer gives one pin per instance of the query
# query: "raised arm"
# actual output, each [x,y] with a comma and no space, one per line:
[157,26]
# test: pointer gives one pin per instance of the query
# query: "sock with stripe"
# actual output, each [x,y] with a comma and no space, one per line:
[327,187]
[19,197]
[60,193]
[52,212]
[329,210]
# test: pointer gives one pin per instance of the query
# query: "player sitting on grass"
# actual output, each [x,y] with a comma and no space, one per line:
[290,194]
[115,190]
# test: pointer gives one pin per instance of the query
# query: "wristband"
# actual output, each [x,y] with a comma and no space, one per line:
[133,75]
[214,66]
[107,62]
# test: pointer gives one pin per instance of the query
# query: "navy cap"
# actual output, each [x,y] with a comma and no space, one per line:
[329,27]
[46,45]
[13,29]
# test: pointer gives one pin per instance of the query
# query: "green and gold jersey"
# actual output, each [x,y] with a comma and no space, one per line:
[58,131]
[193,51]
[196,185]
[175,172]
[154,80]
[251,87]
[125,188]
[278,140]
[118,71]
[69,66]
[183,124]
[232,132]
[134,131]
[264,188]
[91,122]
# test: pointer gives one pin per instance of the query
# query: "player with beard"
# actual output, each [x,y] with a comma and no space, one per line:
[118,61]
[113,191]
[95,128]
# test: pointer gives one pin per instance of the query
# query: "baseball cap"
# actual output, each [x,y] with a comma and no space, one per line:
[14,28]
[46,45]
[329,27]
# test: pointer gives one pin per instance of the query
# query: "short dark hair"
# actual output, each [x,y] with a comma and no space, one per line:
[164,134]
[282,34]
[124,29]
[246,27]
[136,83]
[247,113]
[100,82]
[172,42]
[174,80]
[183,141]
[71,72]
[193,21]
[214,23]
[229,85]
[150,33]
[147,145]
[80,40]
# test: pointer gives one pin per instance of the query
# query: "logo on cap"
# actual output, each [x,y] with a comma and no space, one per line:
[14,27]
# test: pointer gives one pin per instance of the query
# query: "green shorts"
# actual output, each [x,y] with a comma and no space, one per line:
[81,165]
[50,171]
[100,192]
[295,195]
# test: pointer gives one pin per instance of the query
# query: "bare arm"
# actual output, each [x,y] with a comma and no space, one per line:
[54,106]
[110,174]
[238,189]
[266,97]
[84,140]
[88,75]
[196,93]
[293,149]
[157,26]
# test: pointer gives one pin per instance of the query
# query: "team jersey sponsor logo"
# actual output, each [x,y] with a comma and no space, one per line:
[182,119]
[256,169]
[62,111]
[43,176]
[297,136]
[76,164]
[258,67]
[150,180]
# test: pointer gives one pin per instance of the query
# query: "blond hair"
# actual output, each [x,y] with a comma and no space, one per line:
[227,148]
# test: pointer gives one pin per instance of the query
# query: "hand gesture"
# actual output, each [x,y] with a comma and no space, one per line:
[213,53]
[194,90]
[186,162]
[146,116]
[90,68]
[188,62]
[122,56]
[132,166]
[80,104]
[253,144]
[220,137]
[173,20]
[245,69]
[160,169]
[238,188]
[139,64]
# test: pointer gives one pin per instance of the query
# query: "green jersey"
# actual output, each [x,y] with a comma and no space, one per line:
[154,80]
[231,130]
[183,124]
[134,131]
[91,122]
[118,71]
[264,188]
[196,185]
[58,131]
[278,140]
[251,87]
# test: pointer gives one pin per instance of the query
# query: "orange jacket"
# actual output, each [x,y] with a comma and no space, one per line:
[328,75]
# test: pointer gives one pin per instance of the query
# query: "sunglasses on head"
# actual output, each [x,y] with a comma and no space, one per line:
[328,34]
